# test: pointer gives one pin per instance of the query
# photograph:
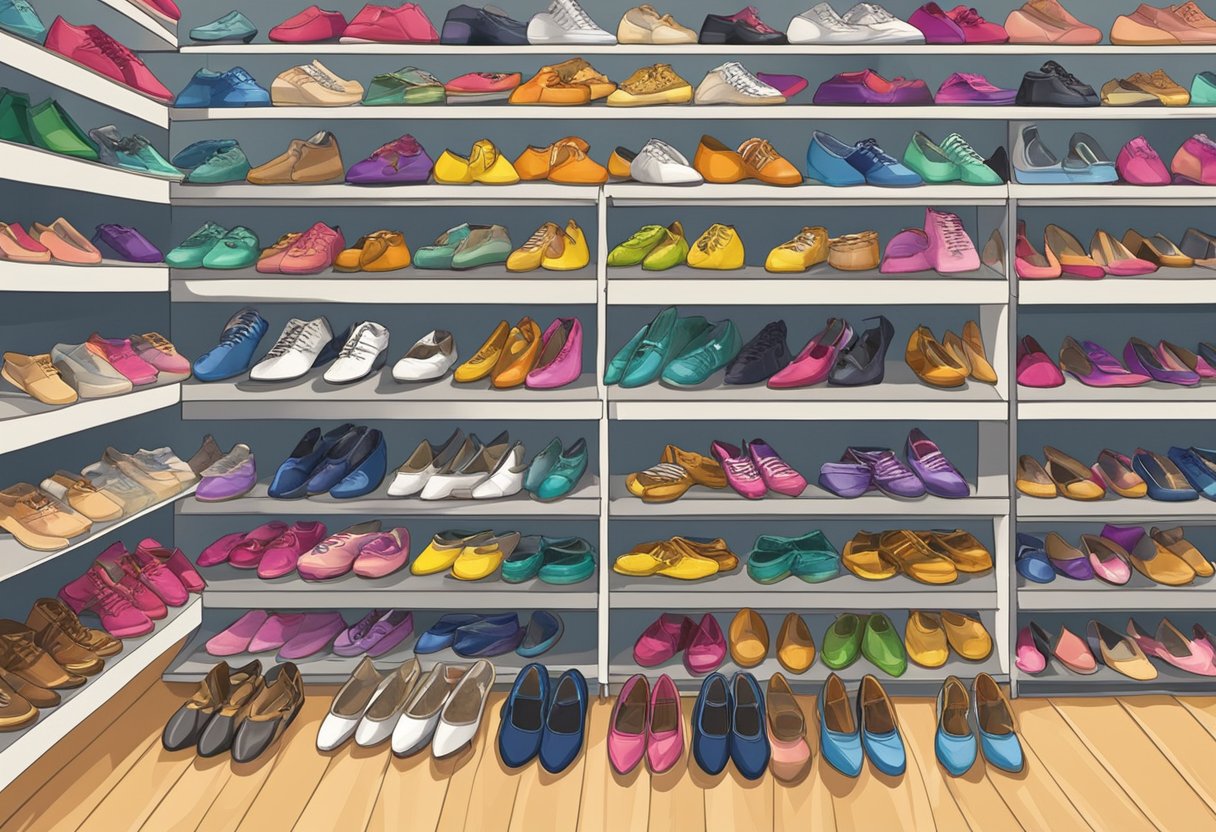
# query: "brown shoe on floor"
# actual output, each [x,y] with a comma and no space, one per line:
[22,657]
[53,611]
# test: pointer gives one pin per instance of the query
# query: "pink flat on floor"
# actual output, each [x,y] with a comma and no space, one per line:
[628,724]
[668,635]
[817,358]
[707,649]
[19,246]
[238,635]
[1029,659]
[741,471]
[664,726]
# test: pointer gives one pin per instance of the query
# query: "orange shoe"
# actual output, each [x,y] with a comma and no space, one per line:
[718,163]
[546,87]
[518,355]
[755,159]
[618,163]
[579,71]
[565,161]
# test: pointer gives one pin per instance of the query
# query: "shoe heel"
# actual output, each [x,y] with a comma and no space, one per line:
[712,38]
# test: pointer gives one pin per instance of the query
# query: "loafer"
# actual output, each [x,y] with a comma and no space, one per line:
[1162,477]
[664,726]
[996,725]
[711,725]
[954,742]
[233,27]
[544,630]
[493,635]
[1198,465]
[880,735]
[565,474]
[627,725]
[707,647]
[443,632]
[668,635]
[839,733]
[1031,560]
[666,338]
[523,716]
[291,478]
[714,349]
[569,560]
[565,723]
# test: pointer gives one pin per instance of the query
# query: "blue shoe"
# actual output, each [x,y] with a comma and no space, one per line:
[494,635]
[368,465]
[881,169]
[523,716]
[1031,560]
[1165,482]
[471,26]
[291,480]
[234,88]
[544,630]
[565,723]
[716,347]
[879,728]
[997,728]
[541,465]
[827,160]
[565,474]
[839,737]
[193,155]
[233,356]
[954,742]
[668,336]
[443,632]
[1198,465]
[19,18]
[233,27]
[748,734]
[339,461]
[711,725]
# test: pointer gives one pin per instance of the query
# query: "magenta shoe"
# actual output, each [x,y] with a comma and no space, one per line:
[248,553]
[282,553]
[787,85]
[867,87]
[627,725]
[707,650]
[375,634]
[154,573]
[1172,647]
[975,28]
[817,358]
[217,552]
[384,554]
[124,571]
[1195,161]
[906,252]
[315,633]
[937,25]
[1174,357]
[95,590]
[275,631]
[312,25]
[1093,365]
[175,561]
[119,354]
[1141,357]
[777,474]
[1029,659]
[664,743]
[1035,367]
[1139,164]
[668,635]
[741,471]
[235,639]
[561,356]
[1107,558]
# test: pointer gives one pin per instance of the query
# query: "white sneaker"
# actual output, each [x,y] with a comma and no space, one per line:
[461,715]
[821,24]
[365,351]
[430,358]
[731,83]
[566,22]
[471,467]
[426,461]
[884,26]
[658,163]
[302,345]
[507,478]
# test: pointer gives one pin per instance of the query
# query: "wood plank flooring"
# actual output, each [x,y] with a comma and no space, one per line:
[1093,765]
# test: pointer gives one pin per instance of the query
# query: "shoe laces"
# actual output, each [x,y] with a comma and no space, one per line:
[774,466]
[953,232]
[741,467]
[357,345]
[321,77]
[241,78]
[666,472]
[803,240]
[540,238]
[830,20]
[936,461]
[71,625]
[1062,73]
[762,344]
[110,601]
[741,79]
[888,465]
[364,626]
[26,651]
[208,234]
[870,149]
[307,242]
[751,16]
[715,238]
[570,12]
[43,362]
[659,150]
[758,152]
[1190,13]
[109,47]
[240,329]
[969,17]
[881,15]
[152,568]
[159,342]
[295,337]
[957,150]
[1160,80]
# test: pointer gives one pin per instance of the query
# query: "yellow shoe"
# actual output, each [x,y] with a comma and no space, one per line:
[916,559]
[925,640]
[580,71]
[545,241]
[864,559]
[483,361]
[444,548]
[382,251]
[477,562]
[658,84]
[961,547]
[518,356]
[808,248]
[484,164]
[574,252]
[718,248]
[966,635]
[795,645]
[619,163]
[662,557]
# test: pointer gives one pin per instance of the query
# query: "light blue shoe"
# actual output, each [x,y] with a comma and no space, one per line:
[233,27]
[839,737]
[565,474]
[956,752]
[716,347]
[997,729]
[879,728]
[19,18]
[827,161]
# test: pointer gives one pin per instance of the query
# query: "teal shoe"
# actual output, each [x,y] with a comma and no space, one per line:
[193,250]
[668,337]
[541,465]
[565,474]
[238,249]
[815,559]
[770,559]
[567,561]
[616,367]
[230,165]
[485,246]
[811,557]
[51,128]
[14,117]
[709,352]
[1203,90]
[439,256]
[952,161]
[134,153]
[19,18]
[634,250]
[523,564]
[408,86]
[233,27]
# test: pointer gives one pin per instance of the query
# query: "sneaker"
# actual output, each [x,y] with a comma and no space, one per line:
[488,26]
[821,24]
[407,23]
[972,88]
[742,27]
[831,161]
[952,161]
[481,87]
[301,346]
[37,376]
[763,356]
[17,17]
[658,84]
[234,353]
[92,48]
[732,83]
[566,22]
[133,153]
[233,88]
[97,591]
[365,352]
[118,353]
[658,163]
[189,253]
[313,85]
[643,24]
[950,247]
[883,26]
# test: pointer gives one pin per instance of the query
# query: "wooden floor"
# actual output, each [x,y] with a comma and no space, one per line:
[1107,765]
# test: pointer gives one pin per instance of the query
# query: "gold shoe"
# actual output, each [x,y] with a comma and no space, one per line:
[1174,540]
[663,557]
[1159,563]
[916,559]
[580,71]
[932,362]
[1119,652]
[808,248]
[1032,479]
[1158,249]
[546,241]
[966,636]
[716,550]
[854,252]
[863,557]
[795,645]
[925,640]
[1166,90]
[962,548]
[486,358]
[748,638]
[518,356]
[969,352]
[1071,478]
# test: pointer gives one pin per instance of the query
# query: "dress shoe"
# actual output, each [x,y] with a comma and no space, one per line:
[190,720]
[1118,652]
[996,724]
[270,713]
[565,722]
[227,714]
[879,727]
[523,716]
[932,362]
[416,725]
[385,709]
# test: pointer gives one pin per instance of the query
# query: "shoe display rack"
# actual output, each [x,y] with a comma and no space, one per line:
[983,428]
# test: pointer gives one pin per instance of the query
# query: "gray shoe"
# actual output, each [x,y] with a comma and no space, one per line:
[90,375]
[125,491]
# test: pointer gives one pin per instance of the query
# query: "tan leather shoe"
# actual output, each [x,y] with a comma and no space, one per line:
[82,496]
[313,85]
[519,355]
[15,710]
[1032,479]
[748,638]
[37,521]
[312,161]
[66,652]
[791,755]
[22,657]
[932,363]
[704,470]
[1072,479]
[716,550]
[36,376]
[1119,652]
[916,559]
[966,636]
[580,71]
[854,252]
[380,251]
[962,548]
[970,353]
[1175,541]
[795,645]
[36,695]
[52,611]
[486,358]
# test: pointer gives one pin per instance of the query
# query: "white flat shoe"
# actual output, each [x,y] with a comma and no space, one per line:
[461,715]
[426,461]
[349,705]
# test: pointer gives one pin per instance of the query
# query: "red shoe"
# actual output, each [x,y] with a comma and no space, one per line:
[281,556]
[96,590]
[380,24]
[166,10]
[313,25]
[94,49]
[248,553]
[174,560]
[124,572]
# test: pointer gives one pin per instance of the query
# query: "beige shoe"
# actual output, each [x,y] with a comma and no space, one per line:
[643,24]
[854,252]
[313,85]
[36,376]
[82,496]
[580,71]
[312,161]
[38,521]
[658,84]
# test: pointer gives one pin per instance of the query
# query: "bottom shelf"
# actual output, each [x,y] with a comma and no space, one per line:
[1059,681]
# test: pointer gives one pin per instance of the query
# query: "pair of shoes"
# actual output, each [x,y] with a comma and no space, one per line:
[1168,26]
[1054,86]
[651,85]
[864,23]
[237,710]
[521,355]
[846,736]
[873,636]
[647,722]
[755,159]
[930,557]
[407,86]
[954,160]
[863,469]
[233,355]
[655,247]
[303,253]
[743,27]
[465,247]
[1093,365]
[462,468]
[471,556]
[348,461]
[133,153]
[756,469]
[950,362]
[212,162]
[474,635]
[657,163]
[749,641]
[1034,163]
[316,160]
[95,50]
[729,724]
[810,556]
[566,162]
[961,24]
[543,719]
[703,644]
[69,502]
[557,470]
[237,88]
[58,242]
[214,247]
[314,85]
[682,558]
[293,635]
[277,549]
[46,125]
[867,88]
[835,163]
[356,353]
[677,471]
[571,82]
[837,355]
[943,246]
[552,247]
[128,591]
[986,713]
[1048,22]
[368,705]
[381,251]
[477,555]
[481,87]
[407,23]
[444,710]
[929,637]
[1145,89]
[484,164]
[1064,476]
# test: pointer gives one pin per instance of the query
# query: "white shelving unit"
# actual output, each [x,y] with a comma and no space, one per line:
[1178,287]
[25,422]
[109,276]
[34,166]
[162,31]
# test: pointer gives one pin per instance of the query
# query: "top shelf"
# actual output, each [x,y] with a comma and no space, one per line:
[808,49]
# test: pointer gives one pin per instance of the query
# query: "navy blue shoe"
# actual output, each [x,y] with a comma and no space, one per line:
[368,465]
[565,723]
[233,355]
[291,480]
[471,26]
[544,630]
[492,636]
[748,739]
[523,716]
[711,725]
[1198,465]
[234,88]
[1031,560]
[195,154]
[443,632]
[336,463]
[766,354]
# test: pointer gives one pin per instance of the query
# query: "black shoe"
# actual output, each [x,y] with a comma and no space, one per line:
[999,162]
[468,25]
[766,354]
[864,361]
[718,28]
[1054,86]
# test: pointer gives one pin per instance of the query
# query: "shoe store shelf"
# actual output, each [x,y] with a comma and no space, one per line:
[1167,286]
[20,749]
[489,284]
[691,50]
[55,69]
[900,392]
[25,421]
[636,194]
[584,501]
[15,558]
[1170,195]
[34,166]
[379,397]
[523,193]
[844,593]
[1140,593]
[989,500]
[575,649]
[109,276]
[1152,401]
[1114,509]
[1057,680]
[242,589]
[820,286]
[128,9]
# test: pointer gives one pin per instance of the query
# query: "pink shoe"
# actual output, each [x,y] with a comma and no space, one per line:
[777,474]
[751,17]
[1139,164]
[217,552]
[1203,641]
[975,28]
[664,726]
[741,471]
[381,24]
[236,638]
[313,25]
[707,650]
[155,573]
[66,244]
[384,554]
[282,553]
[120,355]
[248,553]
[905,253]
[334,556]
[1173,647]
[668,635]
[482,83]
[1029,264]
[1195,161]
[1180,359]
[627,728]
[275,631]
[174,560]
[1035,367]
[161,354]
[124,572]
[950,248]
[1046,22]
[17,245]
[817,358]
[95,590]
[1029,659]
[92,48]
[1113,471]
[1074,653]
[561,357]
[314,252]
[316,632]
[1108,559]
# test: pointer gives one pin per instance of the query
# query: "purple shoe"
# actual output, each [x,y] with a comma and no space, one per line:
[741,470]
[939,475]
[1066,559]
[890,476]
[777,474]
[1093,365]
[314,634]
[234,475]
[787,85]
[275,632]
[845,479]
[375,633]
[937,25]
[1125,536]
[400,162]
[122,242]
[972,88]
[235,639]
[906,252]
[868,87]
[1141,357]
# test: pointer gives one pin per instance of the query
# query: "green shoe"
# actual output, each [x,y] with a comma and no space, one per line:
[14,117]
[238,249]
[570,560]
[883,646]
[972,167]
[842,641]
[439,256]
[1203,90]
[926,158]
[618,363]
[634,250]
[671,251]
[484,246]
[53,129]
[191,252]
[231,165]
[408,85]
[233,27]
[668,337]
[709,352]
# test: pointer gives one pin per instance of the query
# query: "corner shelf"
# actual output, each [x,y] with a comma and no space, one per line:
[25,421]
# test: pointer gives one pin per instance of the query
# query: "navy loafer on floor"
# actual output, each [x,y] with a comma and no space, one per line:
[565,723]
[711,725]
[523,716]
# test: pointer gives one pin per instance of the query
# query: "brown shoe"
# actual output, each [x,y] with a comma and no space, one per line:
[270,713]
[22,657]
[66,652]
[37,521]
[82,496]
[854,252]
[36,695]
[186,725]
[716,550]
[312,161]
[47,611]
[15,710]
